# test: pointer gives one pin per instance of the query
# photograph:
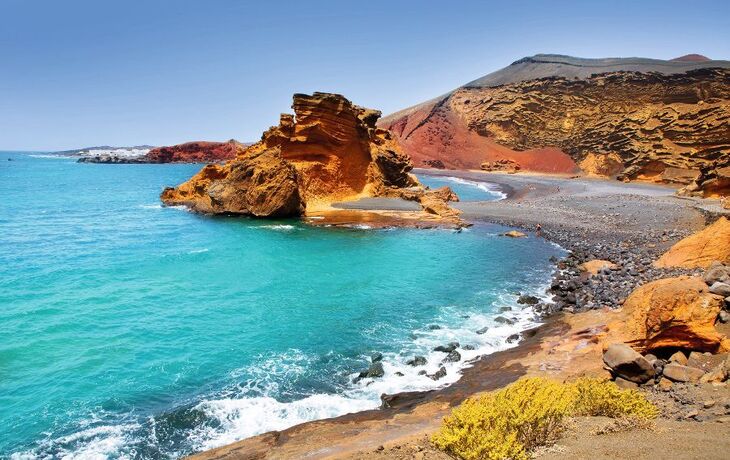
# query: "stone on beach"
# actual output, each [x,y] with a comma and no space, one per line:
[515,234]
[626,363]
[593,267]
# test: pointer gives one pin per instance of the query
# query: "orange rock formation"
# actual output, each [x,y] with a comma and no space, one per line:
[700,249]
[195,152]
[329,151]
[673,313]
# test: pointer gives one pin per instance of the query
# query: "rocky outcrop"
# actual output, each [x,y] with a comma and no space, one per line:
[700,249]
[329,151]
[637,118]
[195,152]
[503,165]
[673,313]
[713,181]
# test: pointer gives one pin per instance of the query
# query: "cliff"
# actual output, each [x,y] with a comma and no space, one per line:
[195,152]
[652,120]
[329,151]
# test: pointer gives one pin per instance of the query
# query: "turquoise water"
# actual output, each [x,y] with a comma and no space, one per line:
[130,330]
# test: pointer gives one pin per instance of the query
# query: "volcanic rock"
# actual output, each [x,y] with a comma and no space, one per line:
[195,152]
[596,265]
[676,313]
[679,373]
[329,151]
[626,363]
[700,249]
[643,119]
[515,234]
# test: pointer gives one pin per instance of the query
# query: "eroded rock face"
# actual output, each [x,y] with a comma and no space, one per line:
[639,119]
[195,152]
[329,150]
[674,313]
[700,249]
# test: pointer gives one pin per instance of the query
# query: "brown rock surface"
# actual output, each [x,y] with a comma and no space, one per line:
[700,249]
[673,313]
[658,120]
[329,151]
[195,152]
[594,266]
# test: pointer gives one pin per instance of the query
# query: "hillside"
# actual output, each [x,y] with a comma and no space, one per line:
[639,118]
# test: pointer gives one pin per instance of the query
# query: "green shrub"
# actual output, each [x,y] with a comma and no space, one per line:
[512,422]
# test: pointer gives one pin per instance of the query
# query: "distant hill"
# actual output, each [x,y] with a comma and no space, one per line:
[655,119]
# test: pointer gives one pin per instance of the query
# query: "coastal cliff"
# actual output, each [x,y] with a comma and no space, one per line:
[329,151]
[643,119]
[189,152]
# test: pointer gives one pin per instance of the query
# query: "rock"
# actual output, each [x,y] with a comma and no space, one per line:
[708,404]
[453,357]
[329,151]
[625,362]
[679,373]
[195,152]
[721,289]
[375,357]
[679,358]
[700,249]
[593,267]
[417,361]
[625,384]
[438,374]
[469,347]
[515,234]
[528,300]
[674,313]
[513,338]
[375,370]
[705,362]
[447,348]
[503,320]
[434,327]
[651,358]
[483,330]
[717,273]
[665,384]
[723,316]
[399,374]
[503,165]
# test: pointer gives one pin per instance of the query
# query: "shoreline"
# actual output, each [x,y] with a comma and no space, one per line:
[407,415]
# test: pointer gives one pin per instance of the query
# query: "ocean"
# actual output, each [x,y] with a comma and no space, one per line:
[133,330]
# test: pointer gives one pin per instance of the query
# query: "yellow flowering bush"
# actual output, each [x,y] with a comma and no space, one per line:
[512,422]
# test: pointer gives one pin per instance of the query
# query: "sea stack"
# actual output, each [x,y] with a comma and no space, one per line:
[329,151]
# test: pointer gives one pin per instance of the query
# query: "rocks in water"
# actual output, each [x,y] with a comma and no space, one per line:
[376,357]
[434,327]
[679,373]
[483,330]
[528,300]
[515,234]
[329,151]
[417,361]
[469,347]
[701,249]
[422,372]
[453,357]
[675,313]
[447,348]
[513,338]
[438,374]
[721,289]
[503,320]
[626,363]
[375,370]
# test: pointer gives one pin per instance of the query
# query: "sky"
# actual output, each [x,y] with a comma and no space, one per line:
[78,73]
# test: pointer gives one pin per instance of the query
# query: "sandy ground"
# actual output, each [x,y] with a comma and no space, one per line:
[570,210]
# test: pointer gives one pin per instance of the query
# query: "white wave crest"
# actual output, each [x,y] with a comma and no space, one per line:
[490,188]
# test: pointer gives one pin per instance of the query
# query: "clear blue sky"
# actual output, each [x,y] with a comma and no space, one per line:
[77,73]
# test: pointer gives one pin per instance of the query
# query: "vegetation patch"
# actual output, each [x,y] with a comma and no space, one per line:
[514,421]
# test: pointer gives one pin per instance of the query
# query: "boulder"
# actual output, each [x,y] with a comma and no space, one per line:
[706,361]
[679,373]
[721,289]
[701,249]
[438,374]
[676,313]
[483,330]
[593,267]
[417,361]
[447,348]
[679,358]
[528,300]
[453,357]
[626,363]
[717,273]
[515,234]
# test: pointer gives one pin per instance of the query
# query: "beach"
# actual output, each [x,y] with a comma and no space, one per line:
[629,224]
